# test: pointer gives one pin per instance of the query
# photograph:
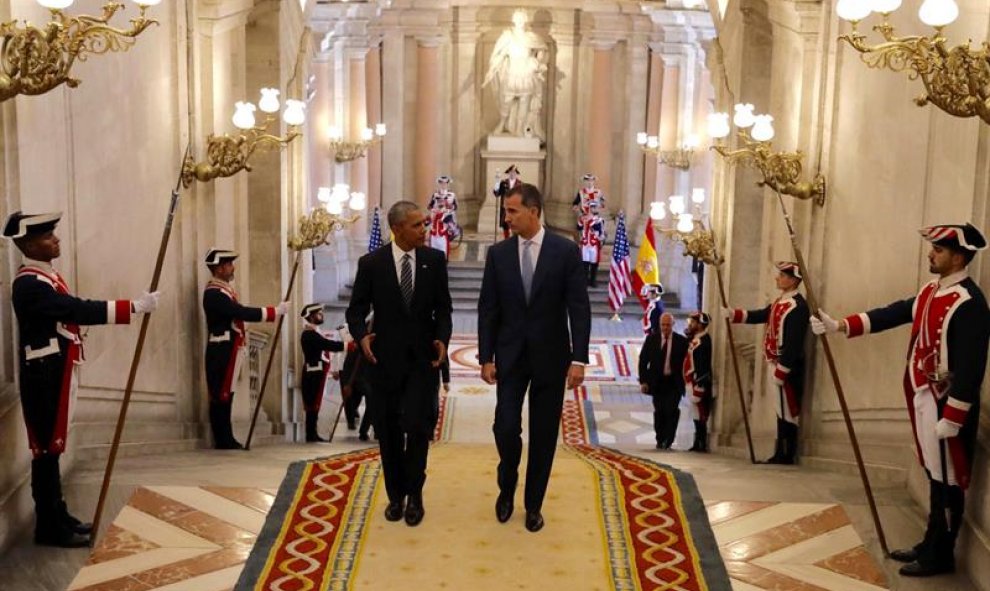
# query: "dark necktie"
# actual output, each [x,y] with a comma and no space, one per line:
[527,268]
[406,284]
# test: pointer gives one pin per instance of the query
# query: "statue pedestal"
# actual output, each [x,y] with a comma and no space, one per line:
[503,151]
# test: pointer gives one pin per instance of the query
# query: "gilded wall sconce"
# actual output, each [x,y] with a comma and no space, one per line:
[681,158]
[781,171]
[956,79]
[345,151]
[35,60]
[689,229]
[227,155]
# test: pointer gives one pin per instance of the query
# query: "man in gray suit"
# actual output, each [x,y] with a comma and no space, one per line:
[533,287]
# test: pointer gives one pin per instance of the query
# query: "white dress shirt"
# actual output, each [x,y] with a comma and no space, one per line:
[397,254]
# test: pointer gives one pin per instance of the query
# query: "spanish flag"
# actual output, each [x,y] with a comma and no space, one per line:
[647,270]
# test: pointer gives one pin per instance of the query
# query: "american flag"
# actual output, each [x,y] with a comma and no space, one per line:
[619,283]
[375,240]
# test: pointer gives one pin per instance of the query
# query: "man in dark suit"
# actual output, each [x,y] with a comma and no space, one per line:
[405,284]
[661,375]
[534,285]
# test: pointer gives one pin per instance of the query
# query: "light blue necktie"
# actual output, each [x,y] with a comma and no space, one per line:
[527,268]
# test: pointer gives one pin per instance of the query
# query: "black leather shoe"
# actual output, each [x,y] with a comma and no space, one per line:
[414,512]
[916,569]
[62,539]
[363,436]
[904,555]
[534,521]
[394,511]
[503,507]
[80,527]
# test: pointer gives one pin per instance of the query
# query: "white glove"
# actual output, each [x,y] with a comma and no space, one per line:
[696,399]
[728,313]
[824,323]
[282,308]
[147,303]
[945,429]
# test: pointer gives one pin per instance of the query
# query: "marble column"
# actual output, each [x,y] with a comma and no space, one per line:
[373,102]
[629,176]
[600,115]
[470,183]
[670,96]
[357,114]
[652,126]
[427,116]
[318,121]
[394,115]
[561,176]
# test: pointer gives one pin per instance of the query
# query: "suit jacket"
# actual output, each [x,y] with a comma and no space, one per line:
[509,327]
[403,335]
[651,361]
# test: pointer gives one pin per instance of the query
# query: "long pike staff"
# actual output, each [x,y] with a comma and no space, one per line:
[136,359]
[700,243]
[314,231]
[813,305]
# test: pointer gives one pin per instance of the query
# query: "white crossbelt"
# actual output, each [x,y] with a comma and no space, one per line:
[50,349]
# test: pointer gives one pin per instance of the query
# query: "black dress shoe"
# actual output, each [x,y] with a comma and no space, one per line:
[917,569]
[81,528]
[904,555]
[394,511]
[503,507]
[315,439]
[62,539]
[534,521]
[414,512]
[363,436]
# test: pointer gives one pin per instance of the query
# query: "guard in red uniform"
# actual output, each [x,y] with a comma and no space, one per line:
[783,348]
[654,308]
[50,348]
[698,377]
[592,236]
[225,318]
[501,189]
[947,356]
[316,348]
[587,195]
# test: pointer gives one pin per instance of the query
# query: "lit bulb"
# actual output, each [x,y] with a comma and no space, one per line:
[685,223]
[938,13]
[243,115]
[697,196]
[692,142]
[652,142]
[146,3]
[744,115]
[718,125]
[295,112]
[658,211]
[335,133]
[641,138]
[367,134]
[853,10]
[676,204]
[323,194]
[762,128]
[380,130]
[340,193]
[335,208]
[269,100]
[56,4]
[885,6]
[358,202]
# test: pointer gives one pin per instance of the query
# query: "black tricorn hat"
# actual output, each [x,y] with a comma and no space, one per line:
[701,317]
[216,256]
[511,168]
[19,225]
[959,236]
[307,310]
[789,268]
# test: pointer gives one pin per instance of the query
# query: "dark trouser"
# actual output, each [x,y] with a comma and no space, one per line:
[223,432]
[937,548]
[700,436]
[591,269]
[785,450]
[52,519]
[666,414]
[352,404]
[546,401]
[403,429]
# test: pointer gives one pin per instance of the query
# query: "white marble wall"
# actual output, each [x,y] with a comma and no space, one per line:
[891,168]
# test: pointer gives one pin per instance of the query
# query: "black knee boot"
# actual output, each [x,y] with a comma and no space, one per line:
[311,435]
[779,449]
[51,525]
[593,275]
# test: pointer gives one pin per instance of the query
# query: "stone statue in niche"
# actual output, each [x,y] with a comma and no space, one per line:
[517,73]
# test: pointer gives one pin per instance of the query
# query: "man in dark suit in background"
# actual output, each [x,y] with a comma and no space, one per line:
[405,284]
[534,284]
[661,375]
